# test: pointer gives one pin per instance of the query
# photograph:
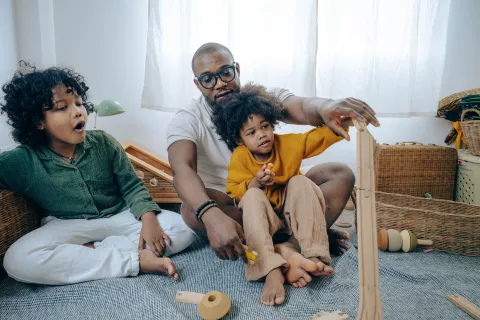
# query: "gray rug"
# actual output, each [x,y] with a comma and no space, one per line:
[413,286]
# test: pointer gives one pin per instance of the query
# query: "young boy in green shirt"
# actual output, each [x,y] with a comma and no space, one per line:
[99,220]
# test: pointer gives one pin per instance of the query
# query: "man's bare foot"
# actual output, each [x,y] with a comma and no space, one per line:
[273,291]
[336,241]
[150,263]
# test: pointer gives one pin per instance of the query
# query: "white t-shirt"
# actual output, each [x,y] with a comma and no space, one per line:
[213,156]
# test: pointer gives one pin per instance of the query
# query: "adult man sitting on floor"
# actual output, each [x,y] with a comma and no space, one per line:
[199,159]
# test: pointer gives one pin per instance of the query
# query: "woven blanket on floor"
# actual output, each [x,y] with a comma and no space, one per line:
[413,286]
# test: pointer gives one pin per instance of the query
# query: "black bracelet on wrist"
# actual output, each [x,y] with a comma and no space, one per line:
[210,206]
[202,206]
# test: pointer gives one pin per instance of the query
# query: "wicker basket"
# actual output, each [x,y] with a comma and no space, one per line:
[452,226]
[471,129]
[18,216]
[450,103]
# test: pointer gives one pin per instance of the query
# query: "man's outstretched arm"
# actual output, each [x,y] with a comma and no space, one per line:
[335,114]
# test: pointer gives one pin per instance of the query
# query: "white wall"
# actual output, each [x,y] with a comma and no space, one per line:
[8,59]
[462,57]
[108,47]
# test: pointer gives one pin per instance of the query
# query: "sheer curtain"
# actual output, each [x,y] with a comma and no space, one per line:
[388,52]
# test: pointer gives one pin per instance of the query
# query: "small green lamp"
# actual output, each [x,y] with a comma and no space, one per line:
[107,108]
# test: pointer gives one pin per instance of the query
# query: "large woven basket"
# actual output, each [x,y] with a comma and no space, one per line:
[471,130]
[452,226]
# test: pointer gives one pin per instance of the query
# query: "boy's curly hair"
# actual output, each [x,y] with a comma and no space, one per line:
[29,94]
[230,114]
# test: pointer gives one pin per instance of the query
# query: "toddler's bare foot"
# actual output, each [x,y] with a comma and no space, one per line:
[297,275]
[336,240]
[150,263]
[273,291]
[322,268]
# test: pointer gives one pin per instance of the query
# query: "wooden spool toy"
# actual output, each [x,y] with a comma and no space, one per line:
[393,240]
[410,241]
[390,240]
[211,306]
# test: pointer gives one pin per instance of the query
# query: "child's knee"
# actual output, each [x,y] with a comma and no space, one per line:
[18,261]
[299,182]
[254,194]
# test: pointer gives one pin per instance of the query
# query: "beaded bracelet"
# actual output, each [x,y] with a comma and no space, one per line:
[202,206]
[206,209]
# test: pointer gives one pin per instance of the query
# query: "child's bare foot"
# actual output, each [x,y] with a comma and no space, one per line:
[150,263]
[336,240]
[297,275]
[273,291]
[322,268]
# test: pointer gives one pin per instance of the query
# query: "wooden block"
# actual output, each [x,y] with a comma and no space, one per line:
[189,297]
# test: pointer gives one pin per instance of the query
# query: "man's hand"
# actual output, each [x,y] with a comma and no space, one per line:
[152,235]
[338,114]
[225,235]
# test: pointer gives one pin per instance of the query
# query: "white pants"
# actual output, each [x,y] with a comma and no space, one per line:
[54,253]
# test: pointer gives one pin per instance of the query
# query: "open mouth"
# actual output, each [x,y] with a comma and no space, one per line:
[264,143]
[222,94]
[80,127]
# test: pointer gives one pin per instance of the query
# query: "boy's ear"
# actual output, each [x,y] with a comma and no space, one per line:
[41,126]
[239,142]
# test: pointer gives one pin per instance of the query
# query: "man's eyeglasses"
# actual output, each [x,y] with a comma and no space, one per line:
[209,80]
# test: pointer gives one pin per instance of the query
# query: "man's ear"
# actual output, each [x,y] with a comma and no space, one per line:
[237,67]
[197,84]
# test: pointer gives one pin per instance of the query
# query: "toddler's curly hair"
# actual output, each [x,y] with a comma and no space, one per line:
[230,114]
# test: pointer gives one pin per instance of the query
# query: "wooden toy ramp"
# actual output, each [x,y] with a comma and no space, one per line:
[155,172]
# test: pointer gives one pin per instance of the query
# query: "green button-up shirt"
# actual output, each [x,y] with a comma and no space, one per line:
[100,183]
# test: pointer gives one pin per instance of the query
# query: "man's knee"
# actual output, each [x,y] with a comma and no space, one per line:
[332,171]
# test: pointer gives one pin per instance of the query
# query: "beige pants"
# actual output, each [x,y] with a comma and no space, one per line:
[303,212]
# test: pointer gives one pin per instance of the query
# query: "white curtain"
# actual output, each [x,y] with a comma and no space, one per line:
[387,52]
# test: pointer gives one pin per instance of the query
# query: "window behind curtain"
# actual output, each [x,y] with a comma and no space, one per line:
[389,53]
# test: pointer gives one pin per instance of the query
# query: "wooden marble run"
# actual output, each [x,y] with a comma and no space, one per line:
[370,303]
[155,172]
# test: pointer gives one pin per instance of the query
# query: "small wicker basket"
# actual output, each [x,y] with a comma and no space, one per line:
[471,129]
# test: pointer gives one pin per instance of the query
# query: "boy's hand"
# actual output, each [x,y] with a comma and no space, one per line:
[153,235]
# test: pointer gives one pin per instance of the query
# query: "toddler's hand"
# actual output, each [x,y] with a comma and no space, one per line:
[265,176]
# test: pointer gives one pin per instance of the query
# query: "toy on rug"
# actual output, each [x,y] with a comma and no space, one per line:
[393,240]
[463,303]
[336,315]
[211,306]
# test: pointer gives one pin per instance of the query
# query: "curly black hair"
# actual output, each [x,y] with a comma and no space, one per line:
[230,115]
[29,94]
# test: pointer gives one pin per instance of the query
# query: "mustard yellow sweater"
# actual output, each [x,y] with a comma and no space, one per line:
[287,154]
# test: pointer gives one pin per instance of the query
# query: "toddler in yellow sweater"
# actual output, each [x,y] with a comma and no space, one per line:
[276,200]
